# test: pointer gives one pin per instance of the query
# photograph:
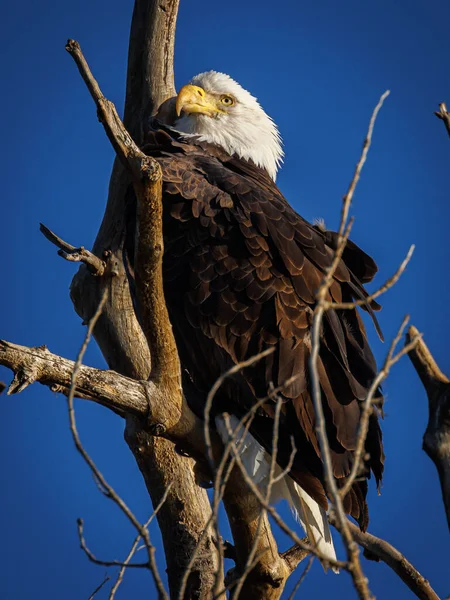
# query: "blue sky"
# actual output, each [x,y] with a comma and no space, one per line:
[318,69]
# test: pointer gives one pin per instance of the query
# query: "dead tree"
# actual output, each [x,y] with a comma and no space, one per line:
[144,385]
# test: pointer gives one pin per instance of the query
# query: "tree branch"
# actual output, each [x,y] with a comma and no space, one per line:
[107,489]
[436,439]
[382,550]
[71,253]
[359,580]
[185,514]
[98,588]
[294,555]
[146,176]
[381,290]
[105,387]
[121,394]
[367,405]
[444,115]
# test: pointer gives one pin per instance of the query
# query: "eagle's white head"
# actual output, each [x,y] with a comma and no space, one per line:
[214,108]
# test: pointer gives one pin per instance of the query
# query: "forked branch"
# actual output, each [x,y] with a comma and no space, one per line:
[71,253]
[146,178]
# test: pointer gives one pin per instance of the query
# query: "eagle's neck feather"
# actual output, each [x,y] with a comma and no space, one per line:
[249,135]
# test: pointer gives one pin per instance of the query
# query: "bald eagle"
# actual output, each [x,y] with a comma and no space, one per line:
[241,269]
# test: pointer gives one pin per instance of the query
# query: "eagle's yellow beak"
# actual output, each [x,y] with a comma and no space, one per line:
[194,99]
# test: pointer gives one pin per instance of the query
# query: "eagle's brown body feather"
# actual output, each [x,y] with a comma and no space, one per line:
[241,269]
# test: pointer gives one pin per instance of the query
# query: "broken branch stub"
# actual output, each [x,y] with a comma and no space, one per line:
[436,439]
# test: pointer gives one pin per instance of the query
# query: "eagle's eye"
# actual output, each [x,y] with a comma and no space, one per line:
[227,100]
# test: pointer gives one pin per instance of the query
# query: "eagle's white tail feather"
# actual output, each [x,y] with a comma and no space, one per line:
[313,519]
[256,461]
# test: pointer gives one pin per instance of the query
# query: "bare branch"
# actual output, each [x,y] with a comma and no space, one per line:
[294,555]
[108,388]
[147,182]
[393,558]
[354,565]
[436,439]
[124,567]
[347,200]
[302,578]
[71,253]
[126,562]
[98,588]
[119,335]
[273,512]
[255,553]
[121,394]
[381,290]
[104,563]
[432,377]
[213,391]
[444,115]
[222,474]
[111,493]
[244,510]
[368,403]
[126,149]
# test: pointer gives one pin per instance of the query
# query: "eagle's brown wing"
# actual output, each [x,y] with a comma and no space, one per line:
[241,269]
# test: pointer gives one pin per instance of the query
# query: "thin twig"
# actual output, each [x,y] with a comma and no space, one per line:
[99,587]
[126,562]
[97,561]
[367,405]
[110,491]
[381,290]
[347,200]
[273,512]
[71,253]
[251,558]
[393,558]
[213,391]
[354,565]
[220,480]
[223,471]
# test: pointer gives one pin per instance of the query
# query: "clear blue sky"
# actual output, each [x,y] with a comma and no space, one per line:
[318,69]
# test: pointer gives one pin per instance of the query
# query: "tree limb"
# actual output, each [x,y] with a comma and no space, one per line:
[107,489]
[436,439]
[71,253]
[367,405]
[185,513]
[146,178]
[382,550]
[359,580]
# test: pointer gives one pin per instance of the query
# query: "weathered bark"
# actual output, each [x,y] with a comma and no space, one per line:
[185,512]
[148,392]
[436,439]
[149,84]
[123,395]
[268,578]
